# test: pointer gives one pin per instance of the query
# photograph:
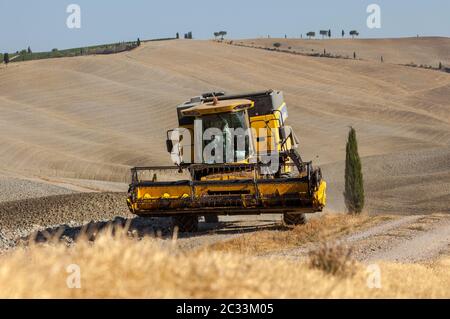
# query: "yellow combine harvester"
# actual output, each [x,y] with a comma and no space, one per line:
[233,155]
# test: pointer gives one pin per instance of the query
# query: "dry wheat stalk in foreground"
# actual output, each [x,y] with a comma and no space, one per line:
[120,266]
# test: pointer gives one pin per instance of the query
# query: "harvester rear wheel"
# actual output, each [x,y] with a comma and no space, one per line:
[294,219]
[213,219]
[185,223]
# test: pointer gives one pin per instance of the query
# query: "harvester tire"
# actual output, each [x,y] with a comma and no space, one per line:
[213,219]
[294,219]
[185,223]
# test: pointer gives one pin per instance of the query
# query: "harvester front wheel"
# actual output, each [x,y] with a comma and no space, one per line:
[213,219]
[294,219]
[185,223]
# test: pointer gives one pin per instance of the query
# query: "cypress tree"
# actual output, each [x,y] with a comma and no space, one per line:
[354,184]
[6,58]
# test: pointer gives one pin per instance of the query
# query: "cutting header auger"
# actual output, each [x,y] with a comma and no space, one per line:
[233,155]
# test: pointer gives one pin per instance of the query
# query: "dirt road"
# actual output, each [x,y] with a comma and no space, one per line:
[419,238]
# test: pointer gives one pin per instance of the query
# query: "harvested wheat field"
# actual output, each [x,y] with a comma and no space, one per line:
[71,128]
[425,51]
[94,117]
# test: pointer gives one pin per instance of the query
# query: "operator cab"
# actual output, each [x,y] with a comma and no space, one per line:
[223,130]
[261,114]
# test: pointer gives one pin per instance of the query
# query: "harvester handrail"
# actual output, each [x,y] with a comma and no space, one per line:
[149,168]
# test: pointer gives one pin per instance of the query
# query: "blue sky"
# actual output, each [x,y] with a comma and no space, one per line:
[42,24]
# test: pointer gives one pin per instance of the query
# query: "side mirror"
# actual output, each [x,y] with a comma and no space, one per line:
[169,144]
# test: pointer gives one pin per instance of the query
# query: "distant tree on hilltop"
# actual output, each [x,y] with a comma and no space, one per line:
[6,58]
[311,34]
[223,34]
[354,33]
[323,33]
